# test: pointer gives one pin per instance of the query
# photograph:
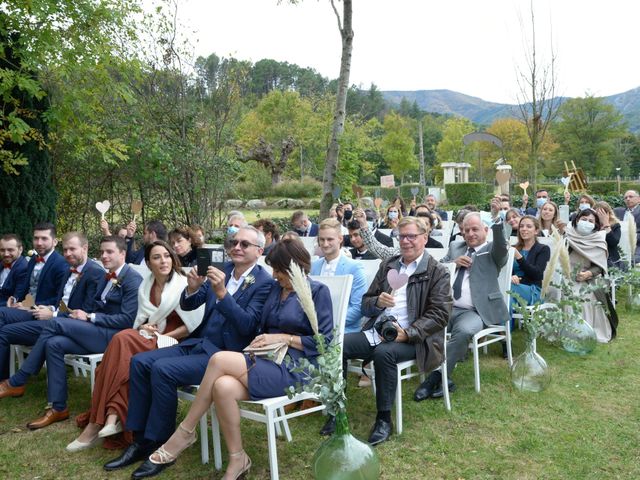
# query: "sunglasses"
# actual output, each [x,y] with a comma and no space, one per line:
[243,244]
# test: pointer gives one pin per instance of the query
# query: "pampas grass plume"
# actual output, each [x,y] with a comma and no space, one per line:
[303,290]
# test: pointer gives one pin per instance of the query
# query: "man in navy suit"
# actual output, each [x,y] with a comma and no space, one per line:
[77,292]
[234,299]
[333,263]
[542,196]
[46,272]
[81,332]
[302,225]
[13,271]
[155,230]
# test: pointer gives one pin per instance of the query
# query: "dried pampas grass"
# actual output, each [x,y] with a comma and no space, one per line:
[558,244]
[303,290]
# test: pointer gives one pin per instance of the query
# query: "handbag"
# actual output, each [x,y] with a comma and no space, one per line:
[275,351]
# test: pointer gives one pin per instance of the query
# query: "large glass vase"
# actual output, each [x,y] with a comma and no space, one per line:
[343,457]
[578,336]
[529,371]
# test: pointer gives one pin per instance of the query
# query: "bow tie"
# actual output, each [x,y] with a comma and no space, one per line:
[111,276]
[75,271]
[7,266]
[39,259]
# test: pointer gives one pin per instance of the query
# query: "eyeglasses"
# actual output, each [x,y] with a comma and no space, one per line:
[409,236]
[243,244]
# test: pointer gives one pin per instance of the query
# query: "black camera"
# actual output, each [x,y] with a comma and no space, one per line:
[386,328]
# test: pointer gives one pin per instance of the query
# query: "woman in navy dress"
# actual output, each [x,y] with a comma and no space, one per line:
[233,376]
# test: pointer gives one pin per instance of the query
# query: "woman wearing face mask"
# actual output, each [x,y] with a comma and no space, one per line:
[588,254]
[584,202]
[391,219]
[530,260]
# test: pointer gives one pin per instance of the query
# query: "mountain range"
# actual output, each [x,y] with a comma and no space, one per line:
[482,112]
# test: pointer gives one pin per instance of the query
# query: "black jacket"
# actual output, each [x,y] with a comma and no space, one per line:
[535,263]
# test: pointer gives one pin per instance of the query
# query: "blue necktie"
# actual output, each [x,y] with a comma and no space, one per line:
[457,284]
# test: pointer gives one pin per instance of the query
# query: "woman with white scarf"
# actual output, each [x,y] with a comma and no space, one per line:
[159,322]
[588,251]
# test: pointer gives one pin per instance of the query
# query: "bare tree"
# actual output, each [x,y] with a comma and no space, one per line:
[340,113]
[537,102]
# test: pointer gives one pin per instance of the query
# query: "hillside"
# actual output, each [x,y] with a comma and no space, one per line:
[483,112]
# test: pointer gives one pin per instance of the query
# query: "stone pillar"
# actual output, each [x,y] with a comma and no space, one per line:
[463,169]
[449,173]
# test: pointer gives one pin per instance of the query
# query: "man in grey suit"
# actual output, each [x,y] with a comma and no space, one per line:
[632,202]
[477,299]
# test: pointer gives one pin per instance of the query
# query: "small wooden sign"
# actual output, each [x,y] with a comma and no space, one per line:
[387,181]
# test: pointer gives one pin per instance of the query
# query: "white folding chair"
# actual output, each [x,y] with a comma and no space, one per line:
[310,243]
[204,431]
[495,333]
[437,253]
[274,414]
[84,364]
[370,269]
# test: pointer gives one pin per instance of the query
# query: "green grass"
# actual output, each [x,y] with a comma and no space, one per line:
[586,425]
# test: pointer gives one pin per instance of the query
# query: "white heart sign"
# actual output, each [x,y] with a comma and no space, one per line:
[565,181]
[103,207]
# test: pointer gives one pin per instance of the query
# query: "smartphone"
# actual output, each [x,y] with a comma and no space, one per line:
[563,211]
[206,257]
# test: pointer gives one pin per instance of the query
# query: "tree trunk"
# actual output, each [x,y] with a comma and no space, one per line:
[422,179]
[331,164]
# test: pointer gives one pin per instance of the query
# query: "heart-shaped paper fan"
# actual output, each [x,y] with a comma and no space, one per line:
[103,207]
[377,202]
[136,207]
[524,186]
[565,181]
[414,191]
[397,280]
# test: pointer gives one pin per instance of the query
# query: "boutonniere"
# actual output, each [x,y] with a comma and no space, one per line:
[31,253]
[248,281]
[116,282]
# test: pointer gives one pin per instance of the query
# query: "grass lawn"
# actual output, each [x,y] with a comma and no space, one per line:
[585,426]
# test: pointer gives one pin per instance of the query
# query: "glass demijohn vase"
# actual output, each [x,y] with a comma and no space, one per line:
[343,457]
[578,336]
[529,371]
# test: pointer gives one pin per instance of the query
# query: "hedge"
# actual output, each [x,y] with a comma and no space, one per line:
[466,193]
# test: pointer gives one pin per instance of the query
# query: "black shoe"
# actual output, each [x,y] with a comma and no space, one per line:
[329,427]
[380,432]
[505,354]
[134,453]
[150,469]
[426,388]
[439,393]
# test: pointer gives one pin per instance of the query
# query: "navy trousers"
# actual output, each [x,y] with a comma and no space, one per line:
[60,337]
[14,315]
[154,378]
[22,333]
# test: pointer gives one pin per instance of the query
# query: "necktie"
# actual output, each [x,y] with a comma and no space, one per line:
[39,259]
[457,284]
[111,276]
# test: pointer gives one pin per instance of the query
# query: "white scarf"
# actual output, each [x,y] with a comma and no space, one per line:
[148,313]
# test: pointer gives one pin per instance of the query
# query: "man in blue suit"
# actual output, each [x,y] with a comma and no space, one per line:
[302,225]
[13,271]
[81,333]
[46,272]
[155,230]
[77,292]
[234,299]
[333,263]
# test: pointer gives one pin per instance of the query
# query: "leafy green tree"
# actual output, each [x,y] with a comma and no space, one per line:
[586,132]
[397,145]
[451,148]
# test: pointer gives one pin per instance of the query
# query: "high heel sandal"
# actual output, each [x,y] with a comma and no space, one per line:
[246,466]
[167,458]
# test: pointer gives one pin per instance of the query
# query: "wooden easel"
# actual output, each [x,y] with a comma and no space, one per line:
[578,180]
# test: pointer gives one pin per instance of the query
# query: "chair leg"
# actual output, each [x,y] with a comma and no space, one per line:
[285,424]
[476,364]
[509,350]
[399,403]
[445,385]
[215,434]
[273,447]
[204,439]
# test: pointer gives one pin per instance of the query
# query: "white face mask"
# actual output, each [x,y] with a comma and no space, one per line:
[393,215]
[584,227]
[584,206]
[370,223]
[502,214]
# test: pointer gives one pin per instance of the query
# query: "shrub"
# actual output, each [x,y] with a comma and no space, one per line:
[307,188]
[466,193]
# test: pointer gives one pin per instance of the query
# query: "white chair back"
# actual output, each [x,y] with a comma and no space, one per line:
[310,243]
[263,264]
[386,231]
[370,269]
[625,245]
[504,277]
[437,253]
[141,269]
[340,289]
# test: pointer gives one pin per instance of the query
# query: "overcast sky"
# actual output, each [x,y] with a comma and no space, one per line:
[470,46]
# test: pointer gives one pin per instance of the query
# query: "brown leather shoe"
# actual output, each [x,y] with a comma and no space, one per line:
[50,416]
[6,390]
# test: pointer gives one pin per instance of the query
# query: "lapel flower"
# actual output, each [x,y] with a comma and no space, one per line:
[248,281]
[31,253]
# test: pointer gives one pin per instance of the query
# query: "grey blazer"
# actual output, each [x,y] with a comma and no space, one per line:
[483,276]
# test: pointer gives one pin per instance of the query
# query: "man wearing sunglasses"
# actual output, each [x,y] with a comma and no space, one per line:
[417,308]
[234,298]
